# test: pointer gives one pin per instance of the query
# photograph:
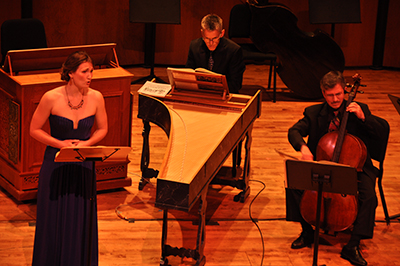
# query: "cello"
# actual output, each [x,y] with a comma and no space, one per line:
[338,211]
[303,57]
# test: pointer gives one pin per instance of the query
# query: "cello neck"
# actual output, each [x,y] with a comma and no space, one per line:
[343,122]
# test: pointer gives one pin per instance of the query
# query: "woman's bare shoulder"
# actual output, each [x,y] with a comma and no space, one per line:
[95,93]
[53,94]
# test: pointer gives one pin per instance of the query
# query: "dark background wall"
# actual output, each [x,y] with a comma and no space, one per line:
[76,22]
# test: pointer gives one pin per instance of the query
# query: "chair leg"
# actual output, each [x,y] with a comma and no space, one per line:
[270,74]
[272,68]
[385,210]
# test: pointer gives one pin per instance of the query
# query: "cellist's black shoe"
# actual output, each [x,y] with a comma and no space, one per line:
[304,240]
[353,255]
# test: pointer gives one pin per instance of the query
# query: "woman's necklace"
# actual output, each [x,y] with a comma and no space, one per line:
[74,107]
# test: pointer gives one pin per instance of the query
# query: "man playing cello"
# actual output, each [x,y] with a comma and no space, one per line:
[318,120]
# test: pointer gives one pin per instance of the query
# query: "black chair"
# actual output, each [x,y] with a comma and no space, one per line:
[377,151]
[239,31]
[19,34]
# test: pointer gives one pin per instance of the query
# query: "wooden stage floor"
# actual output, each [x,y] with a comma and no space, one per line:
[130,226]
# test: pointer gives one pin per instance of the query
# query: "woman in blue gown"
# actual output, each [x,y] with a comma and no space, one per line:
[63,236]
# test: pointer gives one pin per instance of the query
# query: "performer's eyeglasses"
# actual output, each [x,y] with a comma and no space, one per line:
[213,39]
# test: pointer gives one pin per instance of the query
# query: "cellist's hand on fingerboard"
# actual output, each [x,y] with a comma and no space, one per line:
[356,109]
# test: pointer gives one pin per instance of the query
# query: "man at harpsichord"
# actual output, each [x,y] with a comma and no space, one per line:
[216,53]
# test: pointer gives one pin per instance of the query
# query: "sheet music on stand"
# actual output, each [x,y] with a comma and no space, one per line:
[196,86]
[199,82]
[155,89]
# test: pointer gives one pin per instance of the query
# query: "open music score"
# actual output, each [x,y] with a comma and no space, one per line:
[196,86]
[155,89]
[198,82]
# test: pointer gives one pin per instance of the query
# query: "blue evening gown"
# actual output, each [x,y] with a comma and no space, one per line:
[63,203]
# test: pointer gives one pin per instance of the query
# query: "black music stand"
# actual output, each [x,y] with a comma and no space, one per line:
[92,154]
[149,56]
[396,102]
[321,177]
[153,12]
[333,12]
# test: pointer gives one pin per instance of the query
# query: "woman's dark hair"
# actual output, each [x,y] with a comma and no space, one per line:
[72,63]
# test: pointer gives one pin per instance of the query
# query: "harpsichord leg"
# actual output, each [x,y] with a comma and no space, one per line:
[164,246]
[246,170]
[201,233]
[196,254]
[147,172]
[236,158]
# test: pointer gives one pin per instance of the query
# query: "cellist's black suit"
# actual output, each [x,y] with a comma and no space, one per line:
[315,124]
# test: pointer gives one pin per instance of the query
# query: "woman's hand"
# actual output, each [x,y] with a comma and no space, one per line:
[83,143]
[69,143]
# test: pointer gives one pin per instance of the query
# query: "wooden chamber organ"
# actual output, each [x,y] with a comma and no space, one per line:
[25,77]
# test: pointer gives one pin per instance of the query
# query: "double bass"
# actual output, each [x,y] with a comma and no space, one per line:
[303,57]
[338,211]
